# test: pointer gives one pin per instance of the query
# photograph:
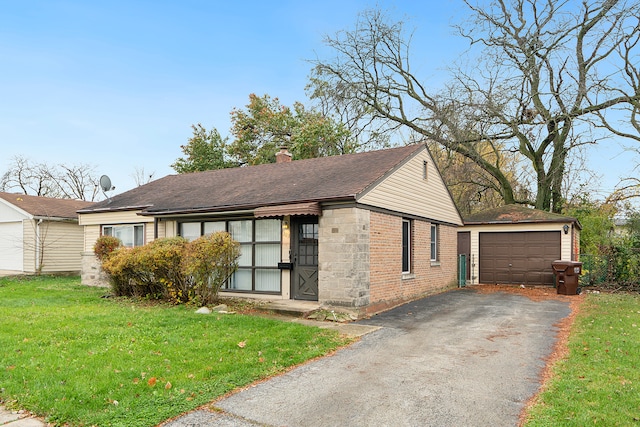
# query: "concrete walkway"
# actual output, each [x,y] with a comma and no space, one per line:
[5,273]
[18,419]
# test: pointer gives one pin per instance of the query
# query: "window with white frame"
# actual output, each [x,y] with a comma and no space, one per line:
[130,234]
[406,246]
[434,242]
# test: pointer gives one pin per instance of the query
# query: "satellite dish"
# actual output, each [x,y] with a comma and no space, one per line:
[105,183]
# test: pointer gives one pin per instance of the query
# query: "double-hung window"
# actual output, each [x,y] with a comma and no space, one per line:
[406,246]
[130,235]
[434,242]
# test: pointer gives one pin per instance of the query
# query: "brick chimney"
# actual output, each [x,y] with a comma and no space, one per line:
[283,156]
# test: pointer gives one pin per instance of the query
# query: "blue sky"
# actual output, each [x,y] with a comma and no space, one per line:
[117,84]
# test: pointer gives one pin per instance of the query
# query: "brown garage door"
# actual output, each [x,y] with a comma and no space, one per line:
[519,257]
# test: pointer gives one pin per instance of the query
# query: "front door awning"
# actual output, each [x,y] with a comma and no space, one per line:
[293,209]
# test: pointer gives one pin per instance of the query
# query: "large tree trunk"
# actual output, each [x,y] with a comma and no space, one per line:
[538,74]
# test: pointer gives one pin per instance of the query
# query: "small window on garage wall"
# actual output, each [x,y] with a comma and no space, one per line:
[406,246]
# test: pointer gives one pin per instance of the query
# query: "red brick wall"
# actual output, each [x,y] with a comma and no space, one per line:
[388,286]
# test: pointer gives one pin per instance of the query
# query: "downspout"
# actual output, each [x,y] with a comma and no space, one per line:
[38,246]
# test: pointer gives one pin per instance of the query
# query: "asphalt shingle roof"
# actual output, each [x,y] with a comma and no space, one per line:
[321,179]
[510,214]
[46,206]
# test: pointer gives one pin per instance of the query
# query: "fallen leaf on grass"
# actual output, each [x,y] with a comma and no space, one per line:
[242,344]
[167,386]
[152,381]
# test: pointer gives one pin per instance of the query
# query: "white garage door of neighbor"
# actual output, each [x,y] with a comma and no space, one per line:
[11,248]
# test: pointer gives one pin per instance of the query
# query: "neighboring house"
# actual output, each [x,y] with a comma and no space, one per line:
[365,231]
[40,234]
[517,245]
[621,226]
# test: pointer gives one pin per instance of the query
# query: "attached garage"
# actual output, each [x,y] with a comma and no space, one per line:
[517,245]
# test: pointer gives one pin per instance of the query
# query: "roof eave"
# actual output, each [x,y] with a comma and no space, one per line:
[238,208]
[110,209]
[530,221]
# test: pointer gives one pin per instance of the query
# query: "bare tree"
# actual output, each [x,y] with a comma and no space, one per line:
[59,181]
[546,73]
[141,177]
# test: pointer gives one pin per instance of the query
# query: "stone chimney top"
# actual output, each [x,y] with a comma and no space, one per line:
[283,156]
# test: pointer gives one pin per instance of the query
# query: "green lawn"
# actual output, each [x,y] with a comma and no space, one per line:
[78,359]
[599,383]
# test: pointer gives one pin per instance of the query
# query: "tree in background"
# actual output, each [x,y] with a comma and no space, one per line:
[265,125]
[259,130]
[545,76]
[609,242]
[58,181]
[470,187]
[597,220]
[141,177]
[337,102]
[205,150]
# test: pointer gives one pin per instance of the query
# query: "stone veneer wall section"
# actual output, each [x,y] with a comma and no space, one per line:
[389,286]
[343,257]
[92,273]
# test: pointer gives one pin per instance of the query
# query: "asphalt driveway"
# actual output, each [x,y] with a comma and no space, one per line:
[461,358]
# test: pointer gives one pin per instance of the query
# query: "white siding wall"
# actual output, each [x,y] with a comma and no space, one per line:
[11,239]
[93,225]
[122,217]
[11,248]
[60,244]
[91,234]
[475,230]
[406,190]
[29,245]
[62,247]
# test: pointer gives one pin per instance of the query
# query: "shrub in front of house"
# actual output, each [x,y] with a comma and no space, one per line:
[105,245]
[159,272]
[210,261]
[174,269]
[121,269]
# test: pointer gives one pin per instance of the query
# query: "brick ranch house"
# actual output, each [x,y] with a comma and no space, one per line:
[363,231]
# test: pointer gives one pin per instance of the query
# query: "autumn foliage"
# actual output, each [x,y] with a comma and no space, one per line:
[105,245]
[174,269]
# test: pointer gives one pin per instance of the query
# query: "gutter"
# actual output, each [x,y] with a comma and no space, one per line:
[38,245]
[248,209]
